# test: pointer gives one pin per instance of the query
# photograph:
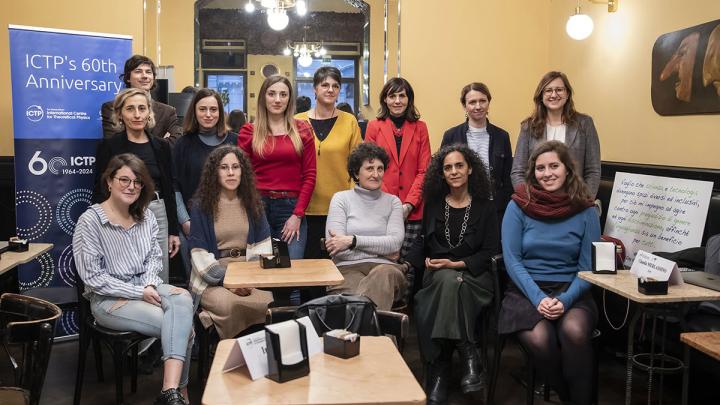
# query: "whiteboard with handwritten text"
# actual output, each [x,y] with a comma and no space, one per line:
[657,214]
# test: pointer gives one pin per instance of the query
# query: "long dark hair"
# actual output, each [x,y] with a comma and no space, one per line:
[207,194]
[537,121]
[191,124]
[396,85]
[435,185]
[134,163]
[574,186]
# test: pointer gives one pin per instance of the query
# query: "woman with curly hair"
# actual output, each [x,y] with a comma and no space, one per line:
[547,234]
[459,235]
[555,119]
[227,217]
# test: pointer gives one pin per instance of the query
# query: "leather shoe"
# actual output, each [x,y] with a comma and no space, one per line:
[436,386]
[170,396]
[474,378]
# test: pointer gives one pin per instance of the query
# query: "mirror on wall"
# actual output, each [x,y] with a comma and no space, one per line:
[241,42]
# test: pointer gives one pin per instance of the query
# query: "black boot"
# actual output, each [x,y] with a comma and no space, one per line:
[171,396]
[436,386]
[473,378]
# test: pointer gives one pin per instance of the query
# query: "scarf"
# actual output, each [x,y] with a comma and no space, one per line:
[541,204]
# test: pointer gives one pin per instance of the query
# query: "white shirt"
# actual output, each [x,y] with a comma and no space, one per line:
[555,133]
[479,142]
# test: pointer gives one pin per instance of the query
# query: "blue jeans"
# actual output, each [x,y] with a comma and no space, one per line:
[172,323]
[277,211]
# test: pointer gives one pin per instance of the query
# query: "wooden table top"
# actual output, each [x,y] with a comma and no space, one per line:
[302,273]
[10,260]
[378,375]
[706,342]
[625,284]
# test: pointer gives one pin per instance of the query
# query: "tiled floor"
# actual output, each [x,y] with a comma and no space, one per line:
[60,381]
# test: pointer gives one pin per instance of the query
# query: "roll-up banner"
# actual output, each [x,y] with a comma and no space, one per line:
[59,81]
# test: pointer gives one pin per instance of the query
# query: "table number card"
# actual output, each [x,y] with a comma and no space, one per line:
[649,266]
[251,349]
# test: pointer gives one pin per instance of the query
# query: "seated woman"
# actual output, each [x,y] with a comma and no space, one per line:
[227,215]
[547,234]
[118,257]
[459,235]
[365,231]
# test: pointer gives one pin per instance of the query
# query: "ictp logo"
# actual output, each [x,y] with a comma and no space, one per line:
[37,160]
[38,166]
[34,113]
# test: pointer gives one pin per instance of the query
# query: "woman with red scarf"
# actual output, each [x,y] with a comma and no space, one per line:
[547,234]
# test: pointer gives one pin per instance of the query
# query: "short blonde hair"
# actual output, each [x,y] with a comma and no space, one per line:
[119,102]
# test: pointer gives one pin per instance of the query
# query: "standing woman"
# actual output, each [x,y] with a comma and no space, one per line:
[133,118]
[117,255]
[140,73]
[459,236]
[405,138]
[555,119]
[205,130]
[227,217]
[282,152]
[336,135]
[491,143]
[547,236]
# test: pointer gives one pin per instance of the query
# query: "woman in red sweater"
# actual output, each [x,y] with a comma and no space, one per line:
[282,152]
[399,130]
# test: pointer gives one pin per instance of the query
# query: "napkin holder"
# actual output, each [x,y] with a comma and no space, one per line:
[280,257]
[16,244]
[287,351]
[652,287]
[603,258]
[339,347]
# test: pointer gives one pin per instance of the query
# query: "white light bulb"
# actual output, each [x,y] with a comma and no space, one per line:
[277,19]
[286,52]
[579,26]
[301,8]
[305,60]
[249,7]
[268,3]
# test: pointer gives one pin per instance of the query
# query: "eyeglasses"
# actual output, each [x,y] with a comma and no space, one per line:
[125,182]
[560,91]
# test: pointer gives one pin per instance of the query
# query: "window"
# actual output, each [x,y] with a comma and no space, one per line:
[348,87]
[231,87]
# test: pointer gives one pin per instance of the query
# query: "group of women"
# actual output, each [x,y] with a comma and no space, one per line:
[380,209]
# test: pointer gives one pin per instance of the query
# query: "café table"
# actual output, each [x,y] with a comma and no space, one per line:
[378,375]
[10,260]
[704,342]
[302,273]
[625,284]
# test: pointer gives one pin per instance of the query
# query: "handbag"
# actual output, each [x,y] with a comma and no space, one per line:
[354,313]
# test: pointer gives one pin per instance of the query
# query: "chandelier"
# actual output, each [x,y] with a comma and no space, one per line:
[305,50]
[276,11]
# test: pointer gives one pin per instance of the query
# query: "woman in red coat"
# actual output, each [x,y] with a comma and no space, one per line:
[405,138]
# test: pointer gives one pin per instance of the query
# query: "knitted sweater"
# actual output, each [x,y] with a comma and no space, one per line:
[376,220]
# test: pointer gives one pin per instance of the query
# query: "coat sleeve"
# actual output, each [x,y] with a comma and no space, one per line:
[479,262]
[107,124]
[372,131]
[522,154]
[414,196]
[308,169]
[591,171]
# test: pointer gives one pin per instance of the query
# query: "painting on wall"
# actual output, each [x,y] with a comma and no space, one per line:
[686,71]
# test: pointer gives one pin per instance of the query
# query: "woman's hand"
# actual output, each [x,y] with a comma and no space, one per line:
[336,243]
[551,308]
[437,264]
[151,296]
[173,245]
[291,229]
[407,209]
[241,292]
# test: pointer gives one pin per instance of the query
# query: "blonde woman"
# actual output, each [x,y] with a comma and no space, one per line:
[282,152]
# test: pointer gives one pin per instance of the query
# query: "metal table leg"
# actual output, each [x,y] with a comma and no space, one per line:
[686,375]
[631,335]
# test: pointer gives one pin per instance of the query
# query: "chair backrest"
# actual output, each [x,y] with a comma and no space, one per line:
[30,323]
[355,313]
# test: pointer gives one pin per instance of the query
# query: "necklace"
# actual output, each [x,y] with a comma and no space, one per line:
[322,127]
[463,227]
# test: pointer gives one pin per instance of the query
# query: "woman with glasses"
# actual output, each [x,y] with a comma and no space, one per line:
[555,119]
[227,218]
[491,143]
[399,130]
[118,257]
[336,135]
[282,152]
[547,235]
[133,118]
[205,130]
[459,235]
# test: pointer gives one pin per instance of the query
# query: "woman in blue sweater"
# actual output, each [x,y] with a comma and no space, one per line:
[547,233]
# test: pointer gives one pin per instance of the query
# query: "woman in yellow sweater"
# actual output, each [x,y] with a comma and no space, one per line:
[336,135]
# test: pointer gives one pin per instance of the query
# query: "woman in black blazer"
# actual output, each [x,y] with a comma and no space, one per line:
[491,143]
[133,118]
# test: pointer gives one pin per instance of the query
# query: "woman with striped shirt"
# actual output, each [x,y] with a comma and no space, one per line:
[118,257]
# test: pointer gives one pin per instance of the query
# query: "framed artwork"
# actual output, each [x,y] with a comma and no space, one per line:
[686,71]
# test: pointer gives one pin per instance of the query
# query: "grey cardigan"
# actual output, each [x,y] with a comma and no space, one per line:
[581,139]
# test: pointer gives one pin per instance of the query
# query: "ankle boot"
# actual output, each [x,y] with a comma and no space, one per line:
[171,396]
[436,386]
[473,377]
